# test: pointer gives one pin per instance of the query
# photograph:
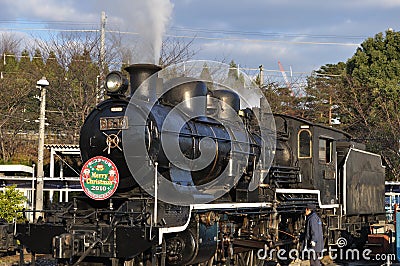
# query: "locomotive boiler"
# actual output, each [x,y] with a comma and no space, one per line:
[209,144]
[180,171]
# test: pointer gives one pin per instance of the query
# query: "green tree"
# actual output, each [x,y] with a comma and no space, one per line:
[205,73]
[37,61]
[28,75]
[281,99]
[57,97]
[373,96]
[81,91]
[234,79]
[24,64]
[16,104]
[11,62]
[206,76]
[322,100]
[11,204]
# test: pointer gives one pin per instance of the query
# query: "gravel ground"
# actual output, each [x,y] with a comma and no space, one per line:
[14,260]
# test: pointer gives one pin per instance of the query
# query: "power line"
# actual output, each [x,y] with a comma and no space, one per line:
[41,29]
[198,30]
[242,39]
[262,40]
[237,39]
[268,34]
[30,22]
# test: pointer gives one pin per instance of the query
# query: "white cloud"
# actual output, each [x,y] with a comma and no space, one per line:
[307,19]
[44,10]
[371,3]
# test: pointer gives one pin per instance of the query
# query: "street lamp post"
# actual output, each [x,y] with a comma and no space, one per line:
[41,84]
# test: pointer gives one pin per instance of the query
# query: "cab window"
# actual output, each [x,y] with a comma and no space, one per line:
[325,150]
[304,144]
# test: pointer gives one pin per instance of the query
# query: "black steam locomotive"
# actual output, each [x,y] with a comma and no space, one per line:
[203,180]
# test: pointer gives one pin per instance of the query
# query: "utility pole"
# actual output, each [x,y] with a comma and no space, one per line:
[330,111]
[41,84]
[102,54]
[261,76]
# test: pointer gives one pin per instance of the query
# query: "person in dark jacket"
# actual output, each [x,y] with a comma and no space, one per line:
[313,236]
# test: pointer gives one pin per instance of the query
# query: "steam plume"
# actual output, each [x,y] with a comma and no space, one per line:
[152,17]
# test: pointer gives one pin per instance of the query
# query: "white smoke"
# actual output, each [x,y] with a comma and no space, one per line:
[151,19]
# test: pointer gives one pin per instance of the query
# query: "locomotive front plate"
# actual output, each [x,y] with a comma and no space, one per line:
[114,123]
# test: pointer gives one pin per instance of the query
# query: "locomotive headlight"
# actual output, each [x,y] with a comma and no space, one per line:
[116,83]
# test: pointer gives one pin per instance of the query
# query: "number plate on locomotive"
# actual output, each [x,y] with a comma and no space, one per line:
[116,122]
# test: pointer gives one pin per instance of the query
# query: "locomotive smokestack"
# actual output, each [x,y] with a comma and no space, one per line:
[138,73]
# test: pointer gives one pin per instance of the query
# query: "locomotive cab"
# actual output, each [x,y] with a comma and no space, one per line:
[311,156]
[306,158]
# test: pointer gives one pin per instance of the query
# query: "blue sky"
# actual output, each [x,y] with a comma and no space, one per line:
[303,35]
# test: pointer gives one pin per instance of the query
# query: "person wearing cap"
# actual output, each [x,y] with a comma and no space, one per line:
[313,236]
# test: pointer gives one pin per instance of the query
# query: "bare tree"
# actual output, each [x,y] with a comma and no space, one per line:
[14,95]
[175,50]
[73,71]
[10,43]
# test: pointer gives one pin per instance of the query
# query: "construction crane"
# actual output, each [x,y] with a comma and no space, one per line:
[285,77]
